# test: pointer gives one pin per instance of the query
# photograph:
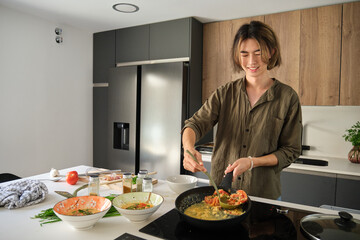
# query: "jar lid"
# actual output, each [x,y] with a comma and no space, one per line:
[147,180]
[143,171]
[323,226]
[127,175]
[93,175]
[141,175]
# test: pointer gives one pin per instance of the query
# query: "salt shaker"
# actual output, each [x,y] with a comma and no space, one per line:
[94,185]
[139,181]
[147,185]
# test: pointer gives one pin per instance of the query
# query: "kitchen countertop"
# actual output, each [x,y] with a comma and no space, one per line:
[17,223]
[340,166]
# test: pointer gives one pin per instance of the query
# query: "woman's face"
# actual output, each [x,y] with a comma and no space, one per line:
[250,58]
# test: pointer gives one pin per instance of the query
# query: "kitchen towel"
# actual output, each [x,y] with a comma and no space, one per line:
[22,193]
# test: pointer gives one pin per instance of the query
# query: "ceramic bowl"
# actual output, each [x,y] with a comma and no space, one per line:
[136,197]
[65,208]
[181,183]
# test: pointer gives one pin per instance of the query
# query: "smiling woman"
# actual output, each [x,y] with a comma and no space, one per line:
[259,119]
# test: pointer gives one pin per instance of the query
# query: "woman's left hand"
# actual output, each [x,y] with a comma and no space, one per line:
[238,167]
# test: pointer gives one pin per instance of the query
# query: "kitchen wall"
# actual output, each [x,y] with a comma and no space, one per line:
[45,95]
[324,128]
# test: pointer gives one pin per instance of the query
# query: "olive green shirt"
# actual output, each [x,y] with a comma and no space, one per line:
[272,125]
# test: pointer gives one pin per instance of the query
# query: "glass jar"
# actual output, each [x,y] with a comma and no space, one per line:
[94,185]
[147,185]
[139,181]
[127,182]
[144,171]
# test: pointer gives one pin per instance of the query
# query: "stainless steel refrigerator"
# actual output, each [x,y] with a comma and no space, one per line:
[146,108]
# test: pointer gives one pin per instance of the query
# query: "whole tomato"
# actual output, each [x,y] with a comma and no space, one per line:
[72,177]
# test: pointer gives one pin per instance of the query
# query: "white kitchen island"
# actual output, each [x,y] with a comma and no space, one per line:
[17,223]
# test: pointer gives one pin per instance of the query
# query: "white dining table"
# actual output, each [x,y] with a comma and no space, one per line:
[17,223]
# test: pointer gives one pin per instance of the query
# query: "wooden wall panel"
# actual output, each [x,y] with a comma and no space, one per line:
[287,28]
[350,55]
[320,44]
[217,62]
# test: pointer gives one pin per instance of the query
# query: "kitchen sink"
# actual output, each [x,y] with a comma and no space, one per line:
[310,161]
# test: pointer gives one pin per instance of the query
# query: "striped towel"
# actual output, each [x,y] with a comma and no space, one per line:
[22,193]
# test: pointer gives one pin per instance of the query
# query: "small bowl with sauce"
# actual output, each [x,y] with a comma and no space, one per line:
[135,207]
[82,212]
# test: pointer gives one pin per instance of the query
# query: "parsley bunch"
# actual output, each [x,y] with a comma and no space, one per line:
[353,134]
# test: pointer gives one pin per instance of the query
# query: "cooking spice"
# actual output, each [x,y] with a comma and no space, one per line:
[147,185]
[94,185]
[127,183]
[139,181]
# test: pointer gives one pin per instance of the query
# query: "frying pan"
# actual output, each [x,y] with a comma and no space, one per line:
[196,195]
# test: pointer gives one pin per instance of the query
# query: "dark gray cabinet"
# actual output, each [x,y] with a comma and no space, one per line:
[103,55]
[100,119]
[164,40]
[309,189]
[347,192]
[170,39]
[132,44]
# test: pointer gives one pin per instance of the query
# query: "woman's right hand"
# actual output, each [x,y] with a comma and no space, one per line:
[189,163]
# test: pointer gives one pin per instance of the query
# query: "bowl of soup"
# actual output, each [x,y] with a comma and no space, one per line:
[82,212]
[136,207]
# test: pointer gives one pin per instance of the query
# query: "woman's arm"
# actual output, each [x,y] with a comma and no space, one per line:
[188,140]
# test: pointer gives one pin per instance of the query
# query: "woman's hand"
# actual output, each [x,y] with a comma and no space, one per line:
[238,167]
[189,163]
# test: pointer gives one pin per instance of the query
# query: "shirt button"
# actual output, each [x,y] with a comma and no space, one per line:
[244,146]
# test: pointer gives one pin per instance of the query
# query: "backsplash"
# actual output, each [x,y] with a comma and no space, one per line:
[324,128]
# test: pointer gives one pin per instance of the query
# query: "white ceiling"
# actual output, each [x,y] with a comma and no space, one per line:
[98,15]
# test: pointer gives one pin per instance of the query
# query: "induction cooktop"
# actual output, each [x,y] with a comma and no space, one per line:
[265,221]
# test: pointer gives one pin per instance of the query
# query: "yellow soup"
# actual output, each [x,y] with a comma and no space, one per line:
[206,212]
[82,212]
[137,206]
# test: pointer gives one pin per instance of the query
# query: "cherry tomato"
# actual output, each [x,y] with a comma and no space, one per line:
[72,177]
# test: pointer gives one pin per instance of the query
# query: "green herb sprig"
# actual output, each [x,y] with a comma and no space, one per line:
[353,134]
[48,216]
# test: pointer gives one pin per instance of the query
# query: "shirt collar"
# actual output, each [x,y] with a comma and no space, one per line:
[269,94]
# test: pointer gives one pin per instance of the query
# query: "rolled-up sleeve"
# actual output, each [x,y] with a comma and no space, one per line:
[206,117]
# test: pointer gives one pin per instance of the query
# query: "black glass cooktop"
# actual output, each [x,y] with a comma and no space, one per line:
[265,221]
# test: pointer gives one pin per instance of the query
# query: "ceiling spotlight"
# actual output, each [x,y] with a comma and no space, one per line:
[125,8]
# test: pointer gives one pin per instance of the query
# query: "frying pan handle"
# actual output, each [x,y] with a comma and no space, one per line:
[226,182]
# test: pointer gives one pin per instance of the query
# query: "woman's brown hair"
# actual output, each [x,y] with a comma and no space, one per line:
[266,38]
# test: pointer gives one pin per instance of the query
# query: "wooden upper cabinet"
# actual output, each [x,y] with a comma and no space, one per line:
[217,58]
[287,28]
[350,55]
[320,44]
